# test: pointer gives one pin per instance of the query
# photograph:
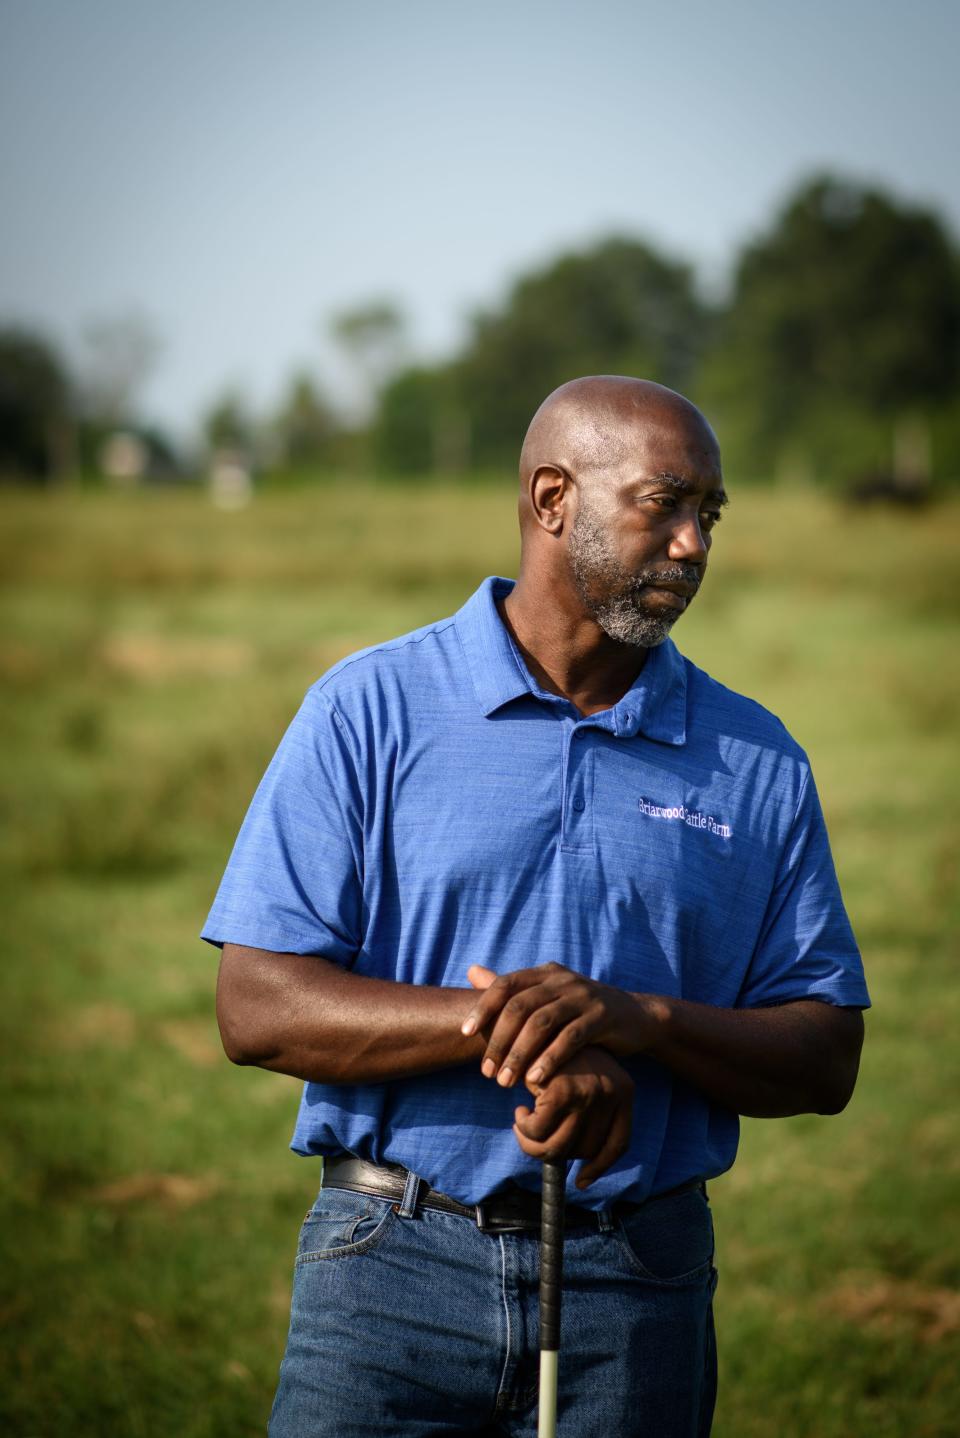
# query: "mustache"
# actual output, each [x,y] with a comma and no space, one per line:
[670,574]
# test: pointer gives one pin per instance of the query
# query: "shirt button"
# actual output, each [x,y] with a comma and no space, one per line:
[578,805]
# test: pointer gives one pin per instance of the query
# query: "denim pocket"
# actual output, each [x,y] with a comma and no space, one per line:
[670,1240]
[341,1224]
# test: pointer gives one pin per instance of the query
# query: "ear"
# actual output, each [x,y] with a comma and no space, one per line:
[550,487]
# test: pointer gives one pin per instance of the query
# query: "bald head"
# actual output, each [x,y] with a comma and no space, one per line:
[587,425]
[620,489]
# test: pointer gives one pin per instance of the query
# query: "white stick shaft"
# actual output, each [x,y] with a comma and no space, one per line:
[547,1412]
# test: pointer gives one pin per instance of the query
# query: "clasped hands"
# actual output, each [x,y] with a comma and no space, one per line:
[560,1034]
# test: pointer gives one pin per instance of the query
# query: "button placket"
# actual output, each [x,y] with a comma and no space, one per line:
[577,833]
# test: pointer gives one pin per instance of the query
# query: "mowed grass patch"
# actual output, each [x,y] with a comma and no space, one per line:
[151,652]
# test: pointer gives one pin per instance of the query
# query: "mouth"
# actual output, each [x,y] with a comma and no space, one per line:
[667,597]
[675,593]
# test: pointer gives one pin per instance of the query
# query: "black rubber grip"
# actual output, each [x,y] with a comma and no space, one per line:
[551,1253]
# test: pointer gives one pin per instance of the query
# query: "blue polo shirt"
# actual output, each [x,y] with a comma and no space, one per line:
[430,807]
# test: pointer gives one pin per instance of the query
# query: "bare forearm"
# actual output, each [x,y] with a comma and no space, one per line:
[800,1057]
[311,1018]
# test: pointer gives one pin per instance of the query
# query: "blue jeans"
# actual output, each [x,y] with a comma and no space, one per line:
[425,1325]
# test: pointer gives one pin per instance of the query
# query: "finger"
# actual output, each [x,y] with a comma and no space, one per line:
[492,1000]
[582,1028]
[560,1144]
[527,1046]
[505,1027]
[481,977]
[578,1119]
[581,1133]
[538,1125]
[614,1147]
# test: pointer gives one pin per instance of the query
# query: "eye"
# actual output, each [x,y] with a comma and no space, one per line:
[709,518]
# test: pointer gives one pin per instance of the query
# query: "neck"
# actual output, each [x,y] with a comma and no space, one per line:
[566,651]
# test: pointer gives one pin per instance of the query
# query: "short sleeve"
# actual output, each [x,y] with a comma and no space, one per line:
[294,880]
[806,948]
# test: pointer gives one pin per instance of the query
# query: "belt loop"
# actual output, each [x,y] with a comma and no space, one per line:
[411,1196]
[605,1220]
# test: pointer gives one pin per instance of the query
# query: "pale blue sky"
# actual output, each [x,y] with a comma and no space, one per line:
[238,171]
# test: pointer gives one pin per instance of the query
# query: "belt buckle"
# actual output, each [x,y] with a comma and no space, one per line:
[502,1220]
[500,1223]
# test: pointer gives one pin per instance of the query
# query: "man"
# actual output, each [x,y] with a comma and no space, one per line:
[532,845]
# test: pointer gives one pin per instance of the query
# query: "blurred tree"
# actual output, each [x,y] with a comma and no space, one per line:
[620,307]
[305,426]
[229,425]
[373,337]
[843,324]
[121,352]
[36,424]
[422,426]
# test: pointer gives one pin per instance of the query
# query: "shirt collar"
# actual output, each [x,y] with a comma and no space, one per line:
[490,655]
[654,705]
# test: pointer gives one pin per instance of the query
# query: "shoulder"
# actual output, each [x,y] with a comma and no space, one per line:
[751,757]
[718,712]
[404,666]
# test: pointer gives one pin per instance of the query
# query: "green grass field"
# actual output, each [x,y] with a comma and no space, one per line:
[152,650]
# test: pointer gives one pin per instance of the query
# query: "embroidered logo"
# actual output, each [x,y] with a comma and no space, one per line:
[693,817]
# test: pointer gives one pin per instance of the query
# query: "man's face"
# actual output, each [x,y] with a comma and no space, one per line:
[639,541]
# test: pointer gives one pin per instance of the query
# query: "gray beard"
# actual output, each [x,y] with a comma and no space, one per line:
[625,621]
[621,612]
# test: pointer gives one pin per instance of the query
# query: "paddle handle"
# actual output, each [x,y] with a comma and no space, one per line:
[551,1253]
[551,1289]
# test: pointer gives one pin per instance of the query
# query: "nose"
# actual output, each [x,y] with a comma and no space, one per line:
[689,542]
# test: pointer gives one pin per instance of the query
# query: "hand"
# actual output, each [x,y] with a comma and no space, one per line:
[584,1111]
[537,1019]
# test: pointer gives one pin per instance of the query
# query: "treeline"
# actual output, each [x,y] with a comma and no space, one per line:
[835,354]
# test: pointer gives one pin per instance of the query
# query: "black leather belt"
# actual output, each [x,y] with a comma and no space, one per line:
[516,1210]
